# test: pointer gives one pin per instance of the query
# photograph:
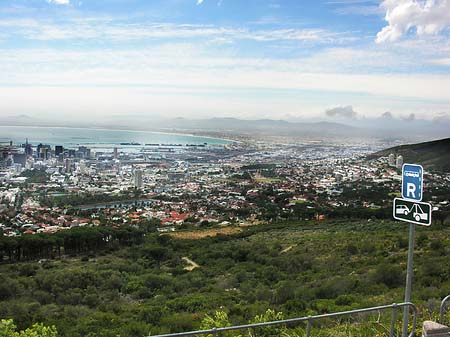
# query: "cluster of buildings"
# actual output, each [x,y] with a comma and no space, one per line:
[50,188]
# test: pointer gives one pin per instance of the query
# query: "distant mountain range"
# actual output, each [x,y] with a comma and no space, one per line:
[434,155]
[393,129]
[408,131]
[266,126]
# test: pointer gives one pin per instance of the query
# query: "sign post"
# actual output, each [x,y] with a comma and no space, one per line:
[411,210]
[409,275]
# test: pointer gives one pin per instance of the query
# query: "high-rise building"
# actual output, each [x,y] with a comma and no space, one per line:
[82,167]
[68,165]
[83,152]
[138,179]
[392,159]
[59,149]
[38,150]
[28,148]
[43,151]
[116,153]
[399,162]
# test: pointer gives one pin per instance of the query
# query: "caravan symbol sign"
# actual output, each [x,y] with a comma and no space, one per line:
[412,182]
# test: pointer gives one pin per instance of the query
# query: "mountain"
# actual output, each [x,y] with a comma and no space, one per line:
[267,127]
[412,131]
[434,155]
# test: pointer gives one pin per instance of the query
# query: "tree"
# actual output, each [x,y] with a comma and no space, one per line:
[8,329]
[218,320]
[269,316]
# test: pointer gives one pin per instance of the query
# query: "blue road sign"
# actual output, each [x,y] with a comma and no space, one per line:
[412,182]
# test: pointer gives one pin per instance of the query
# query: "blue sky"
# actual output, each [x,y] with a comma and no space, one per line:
[296,60]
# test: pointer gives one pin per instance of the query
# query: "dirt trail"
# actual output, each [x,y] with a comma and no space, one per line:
[285,250]
[192,264]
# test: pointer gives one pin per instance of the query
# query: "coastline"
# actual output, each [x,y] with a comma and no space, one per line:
[97,128]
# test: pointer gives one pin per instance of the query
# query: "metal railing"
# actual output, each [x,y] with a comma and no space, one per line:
[215,331]
[443,309]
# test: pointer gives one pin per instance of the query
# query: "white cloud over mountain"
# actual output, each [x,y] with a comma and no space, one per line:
[425,17]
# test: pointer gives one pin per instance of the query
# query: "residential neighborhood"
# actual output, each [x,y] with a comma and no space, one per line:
[170,188]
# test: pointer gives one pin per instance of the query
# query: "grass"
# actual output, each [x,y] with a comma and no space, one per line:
[201,234]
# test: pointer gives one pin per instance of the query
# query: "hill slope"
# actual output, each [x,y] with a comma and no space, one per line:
[268,127]
[434,155]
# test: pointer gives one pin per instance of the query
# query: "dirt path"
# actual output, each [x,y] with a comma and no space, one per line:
[192,264]
[285,250]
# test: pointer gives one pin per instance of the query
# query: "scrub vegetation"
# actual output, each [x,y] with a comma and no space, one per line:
[139,284]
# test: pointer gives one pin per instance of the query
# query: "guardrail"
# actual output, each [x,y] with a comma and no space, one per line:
[309,319]
[442,309]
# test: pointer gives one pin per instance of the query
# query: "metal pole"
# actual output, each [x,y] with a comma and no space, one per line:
[394,317]
[308,327]
[409,275]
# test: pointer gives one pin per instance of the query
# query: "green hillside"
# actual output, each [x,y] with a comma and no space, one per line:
[295,268]
[434,155]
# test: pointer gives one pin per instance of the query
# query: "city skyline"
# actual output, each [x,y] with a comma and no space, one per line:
[332,60]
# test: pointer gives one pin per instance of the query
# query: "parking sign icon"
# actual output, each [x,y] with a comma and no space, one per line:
[412,182]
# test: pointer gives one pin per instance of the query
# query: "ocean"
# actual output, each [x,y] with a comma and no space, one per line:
[99,138]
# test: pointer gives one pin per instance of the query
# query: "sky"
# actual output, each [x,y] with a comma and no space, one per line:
[295,60]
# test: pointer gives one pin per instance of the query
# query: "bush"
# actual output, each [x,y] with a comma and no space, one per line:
[8,329]
[391,276]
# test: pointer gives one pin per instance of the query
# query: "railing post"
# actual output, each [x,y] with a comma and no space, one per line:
[308,327]
[394,317]
[442,309]
[214,332]
[413,328]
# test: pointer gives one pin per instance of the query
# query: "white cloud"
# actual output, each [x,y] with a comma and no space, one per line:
[410,117]
[59,2]
[441,62]
[387,115]
[187,66]
[199,2]
[360,10]
[442,118]
[342,112]
[113,31]
[427,17]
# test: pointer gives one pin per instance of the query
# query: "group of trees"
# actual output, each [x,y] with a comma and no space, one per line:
[81,240]
[35,176]
[85,199]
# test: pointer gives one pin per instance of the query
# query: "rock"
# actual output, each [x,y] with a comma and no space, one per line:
[433,329]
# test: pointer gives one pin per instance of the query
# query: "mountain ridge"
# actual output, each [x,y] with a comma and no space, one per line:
[432,155]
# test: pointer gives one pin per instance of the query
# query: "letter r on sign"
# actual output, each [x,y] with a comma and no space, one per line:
[411,190]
